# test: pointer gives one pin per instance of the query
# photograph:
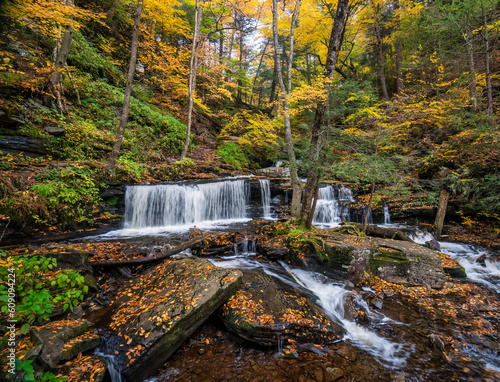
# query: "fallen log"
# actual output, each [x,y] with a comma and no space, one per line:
[161,256]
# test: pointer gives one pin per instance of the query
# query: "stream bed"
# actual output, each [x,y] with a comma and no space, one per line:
[407,334]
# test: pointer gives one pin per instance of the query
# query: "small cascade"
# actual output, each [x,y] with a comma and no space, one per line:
[184,204]
[387,215]
[106,351]
[331,297]
[481,266]
[265,194]
[245,248]
[332,206]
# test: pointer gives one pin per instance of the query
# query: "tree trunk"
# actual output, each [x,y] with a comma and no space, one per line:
[313,173]
[112,10]
[368,208]
[240,65]
[443,203]
[60,57]
[399,52]
[297,188]
[193,66]
[489,88]
[380,61]
[128,91]
[467,35]
[258,68]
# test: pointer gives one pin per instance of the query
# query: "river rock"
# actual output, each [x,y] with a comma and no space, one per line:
[396,261]
[163,307]
[86,368]
[266,311]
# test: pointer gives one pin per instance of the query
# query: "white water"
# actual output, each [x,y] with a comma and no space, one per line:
[332,206]
[387,215]
[265,194]
[331,297]
[177,205]
[466,255]
[106,352]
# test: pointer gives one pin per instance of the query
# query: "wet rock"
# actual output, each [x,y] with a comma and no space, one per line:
[396,261]
[86,368]
[348,352]
[433,244]
[267,312]
[333,373]
[31,147]
[164,306]
[53,337]
[273,249]
[79,345]
[455,271]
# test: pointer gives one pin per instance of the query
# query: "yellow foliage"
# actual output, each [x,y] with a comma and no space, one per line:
[258,134]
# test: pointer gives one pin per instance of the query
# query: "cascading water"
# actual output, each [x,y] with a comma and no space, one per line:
[265,193]
[174,205]
[106,351]
[331,297]
[387,215]
[332,206]
[485,272]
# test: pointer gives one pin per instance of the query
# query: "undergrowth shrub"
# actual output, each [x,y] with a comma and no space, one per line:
[39,288]
[231,154]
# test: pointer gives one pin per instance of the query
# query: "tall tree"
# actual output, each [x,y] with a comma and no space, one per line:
[193,67]
[313,173]
[128,90]
[285,94]
[61,52]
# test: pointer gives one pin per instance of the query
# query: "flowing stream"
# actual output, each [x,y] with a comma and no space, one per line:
[179,207]
[480,265]
[330,295]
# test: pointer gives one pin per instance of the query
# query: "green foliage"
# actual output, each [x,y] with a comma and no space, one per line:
[70,194]
[179,170]
[258,135]
[231,154]
[127,169]
[84,54]
[39,288]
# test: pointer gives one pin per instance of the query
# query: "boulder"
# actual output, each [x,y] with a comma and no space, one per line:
[273,249]
[31,147]
[163,307]
[266,311]
[396,261]
[56,334]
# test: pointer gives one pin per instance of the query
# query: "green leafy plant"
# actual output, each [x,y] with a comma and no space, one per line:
[231,154]
[39,288]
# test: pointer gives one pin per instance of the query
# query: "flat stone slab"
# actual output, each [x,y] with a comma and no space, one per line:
[54,336]
[163,307]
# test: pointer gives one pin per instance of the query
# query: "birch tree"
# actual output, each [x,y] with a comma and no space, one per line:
[285,93]
[193,66]
[128,90]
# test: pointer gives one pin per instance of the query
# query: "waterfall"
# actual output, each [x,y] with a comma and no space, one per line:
[332,206]
[265,194]
[387,215]
[173,205]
